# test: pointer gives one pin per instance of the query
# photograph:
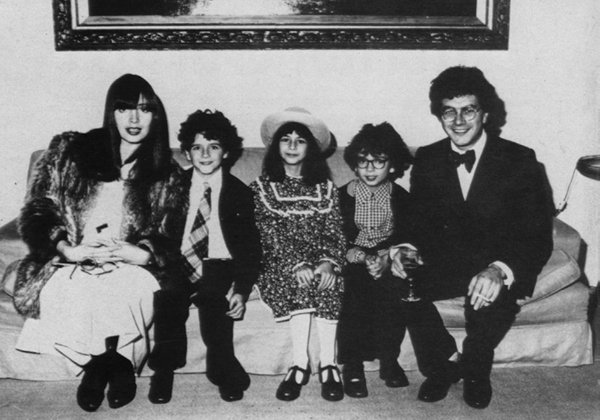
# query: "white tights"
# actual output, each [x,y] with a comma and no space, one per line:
[300,330]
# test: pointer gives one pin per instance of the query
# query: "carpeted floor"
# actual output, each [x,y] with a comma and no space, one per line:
[527,393]
[523,393]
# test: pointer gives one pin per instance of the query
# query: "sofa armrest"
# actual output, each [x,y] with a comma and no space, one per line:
[566,238]
[12,248]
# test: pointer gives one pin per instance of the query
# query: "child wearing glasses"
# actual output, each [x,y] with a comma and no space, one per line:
[375,217]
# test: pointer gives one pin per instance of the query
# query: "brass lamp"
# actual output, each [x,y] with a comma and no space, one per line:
[588,166]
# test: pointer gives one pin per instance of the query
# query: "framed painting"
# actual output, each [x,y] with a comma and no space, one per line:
[281,24]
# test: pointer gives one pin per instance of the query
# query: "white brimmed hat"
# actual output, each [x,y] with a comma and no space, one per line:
[319,130]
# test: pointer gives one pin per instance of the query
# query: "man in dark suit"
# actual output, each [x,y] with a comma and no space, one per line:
[483,227]
[220,248]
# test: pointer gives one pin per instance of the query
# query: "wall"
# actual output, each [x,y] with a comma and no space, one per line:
[548,79]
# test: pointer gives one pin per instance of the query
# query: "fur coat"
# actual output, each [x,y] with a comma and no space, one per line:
[61,196]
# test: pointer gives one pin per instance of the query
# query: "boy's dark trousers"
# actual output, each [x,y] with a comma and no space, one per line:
[216,328]
[373,320]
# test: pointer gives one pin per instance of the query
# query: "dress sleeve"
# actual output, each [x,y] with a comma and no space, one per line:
[333,241]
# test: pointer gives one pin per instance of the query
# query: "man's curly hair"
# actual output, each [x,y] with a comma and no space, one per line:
[458,81]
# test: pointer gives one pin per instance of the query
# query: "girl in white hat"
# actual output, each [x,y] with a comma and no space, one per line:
[297,214]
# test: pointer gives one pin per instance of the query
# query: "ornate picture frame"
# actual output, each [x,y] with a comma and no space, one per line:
[75,29]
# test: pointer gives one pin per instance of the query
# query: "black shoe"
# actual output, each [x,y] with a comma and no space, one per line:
[436,386]
[121,382]
[90,392]
[331,389]
[477,392]
[355,384]
[161,387]
[230,395]
[392,374]
[289,389]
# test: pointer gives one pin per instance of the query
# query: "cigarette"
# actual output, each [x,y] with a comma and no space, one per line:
[482,297]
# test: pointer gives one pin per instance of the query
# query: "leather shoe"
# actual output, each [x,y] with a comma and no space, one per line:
[90,392]
[331,388]
[121,382]
[289,389]
[477,393]
[161,387]
[355,383]
[392,374]
[436,386]
[230,395]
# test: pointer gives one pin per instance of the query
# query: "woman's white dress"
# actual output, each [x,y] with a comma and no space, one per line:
[79,310]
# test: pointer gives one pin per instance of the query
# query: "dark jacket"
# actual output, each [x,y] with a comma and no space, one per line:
[236,212]
[506,217]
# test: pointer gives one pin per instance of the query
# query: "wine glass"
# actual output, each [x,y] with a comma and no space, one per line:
[410,261]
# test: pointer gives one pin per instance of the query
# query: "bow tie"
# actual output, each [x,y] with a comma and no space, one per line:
[467,159]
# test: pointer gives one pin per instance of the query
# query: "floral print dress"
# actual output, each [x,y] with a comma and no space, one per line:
[298,224]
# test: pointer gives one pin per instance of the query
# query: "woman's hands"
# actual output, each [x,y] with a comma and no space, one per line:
[305,275]
[106,250]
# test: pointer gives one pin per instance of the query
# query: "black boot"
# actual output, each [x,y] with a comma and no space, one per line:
[90,392]
[161,387]
[121,378]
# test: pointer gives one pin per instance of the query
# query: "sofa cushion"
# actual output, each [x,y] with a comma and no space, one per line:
[560,271]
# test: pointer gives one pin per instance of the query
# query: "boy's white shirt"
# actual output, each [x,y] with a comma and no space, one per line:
[216,242]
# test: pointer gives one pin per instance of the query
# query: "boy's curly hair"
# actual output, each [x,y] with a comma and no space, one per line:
[376,140]
[213,125]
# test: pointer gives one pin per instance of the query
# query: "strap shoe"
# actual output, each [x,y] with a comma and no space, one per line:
[289,389]
[331,383]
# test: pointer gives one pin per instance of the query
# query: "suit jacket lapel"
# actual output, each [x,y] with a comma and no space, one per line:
[488,171]
[450,183]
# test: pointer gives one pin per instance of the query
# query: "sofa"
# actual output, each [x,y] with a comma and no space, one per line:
[551,329]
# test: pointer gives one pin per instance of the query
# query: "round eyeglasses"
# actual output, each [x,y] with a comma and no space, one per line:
[467,114]
[377,163]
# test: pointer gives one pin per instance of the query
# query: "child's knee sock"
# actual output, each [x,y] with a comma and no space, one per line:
[300,330]
[327,332]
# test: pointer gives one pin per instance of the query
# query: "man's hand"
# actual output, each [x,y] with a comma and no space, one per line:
[377,264]
[237,306]
[397,266]
[328,276]
[485,287]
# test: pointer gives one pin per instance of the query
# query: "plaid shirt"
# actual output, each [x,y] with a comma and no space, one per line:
[373,217]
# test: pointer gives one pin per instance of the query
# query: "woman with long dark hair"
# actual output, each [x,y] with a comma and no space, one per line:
[100,220]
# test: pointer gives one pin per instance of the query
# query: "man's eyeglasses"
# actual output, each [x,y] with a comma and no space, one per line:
[377,163]
[467,114]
